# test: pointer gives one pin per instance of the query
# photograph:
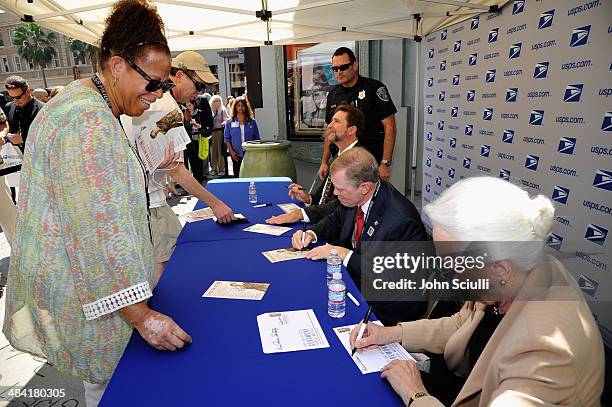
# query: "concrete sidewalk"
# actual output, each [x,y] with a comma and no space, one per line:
[29,375]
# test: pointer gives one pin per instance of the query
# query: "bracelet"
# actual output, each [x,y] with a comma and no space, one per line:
[417,395]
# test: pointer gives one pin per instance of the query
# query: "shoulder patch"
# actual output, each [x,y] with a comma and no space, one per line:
[383,94]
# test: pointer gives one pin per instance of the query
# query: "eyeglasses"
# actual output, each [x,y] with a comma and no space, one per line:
[153,84]
[200,87]
[18,97]
[342,67]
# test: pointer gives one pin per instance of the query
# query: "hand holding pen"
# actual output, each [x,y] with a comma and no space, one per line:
[297,191]
[300,239]
[303,234]
[370,336]
[362,328]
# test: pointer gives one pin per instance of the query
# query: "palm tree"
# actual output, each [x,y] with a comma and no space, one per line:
[83,50]
[35,46]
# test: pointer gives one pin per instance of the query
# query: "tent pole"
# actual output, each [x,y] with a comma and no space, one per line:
[459,4]
[415,123]
[66,12]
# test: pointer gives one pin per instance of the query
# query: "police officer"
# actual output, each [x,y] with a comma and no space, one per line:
[373,99]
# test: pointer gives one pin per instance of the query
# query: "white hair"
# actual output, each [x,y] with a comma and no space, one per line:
[488,209]
[212,103]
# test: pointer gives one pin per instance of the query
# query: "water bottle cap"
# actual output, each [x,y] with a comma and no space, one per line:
[333,252]
[337,276]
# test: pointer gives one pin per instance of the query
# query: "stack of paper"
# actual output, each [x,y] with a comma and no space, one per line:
[284,254]
[290,331]
[371,361]
[237,290]
[197,215]
[267,229]
[288,207]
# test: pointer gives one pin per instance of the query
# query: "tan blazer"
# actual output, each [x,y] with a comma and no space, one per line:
[543,353]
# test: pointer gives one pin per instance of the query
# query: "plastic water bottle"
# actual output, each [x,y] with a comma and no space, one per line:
[336,297]
[252,192]
[334,263]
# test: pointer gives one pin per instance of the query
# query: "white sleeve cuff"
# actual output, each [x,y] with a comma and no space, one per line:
[305,217]
[118,300]
[315,239]
[347,258]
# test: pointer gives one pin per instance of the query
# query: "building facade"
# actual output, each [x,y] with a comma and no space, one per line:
[63,69]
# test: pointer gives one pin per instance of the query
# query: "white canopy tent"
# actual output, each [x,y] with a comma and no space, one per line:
[247,23]
[205,24]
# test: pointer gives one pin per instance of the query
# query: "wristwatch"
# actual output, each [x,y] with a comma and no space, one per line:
[417,395]
[386,162]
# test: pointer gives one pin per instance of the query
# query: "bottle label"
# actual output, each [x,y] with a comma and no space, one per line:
[333,268]
[337,297]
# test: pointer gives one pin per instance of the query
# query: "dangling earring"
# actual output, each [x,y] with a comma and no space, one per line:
[114,81]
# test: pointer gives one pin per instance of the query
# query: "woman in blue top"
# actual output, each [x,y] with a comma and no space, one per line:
[240,127]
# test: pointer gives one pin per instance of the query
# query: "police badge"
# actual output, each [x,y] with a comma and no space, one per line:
[361,94]
[383,94]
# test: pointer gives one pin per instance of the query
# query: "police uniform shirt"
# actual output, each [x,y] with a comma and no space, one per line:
[373,99]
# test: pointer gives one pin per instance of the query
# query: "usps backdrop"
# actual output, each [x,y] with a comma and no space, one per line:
[525,95]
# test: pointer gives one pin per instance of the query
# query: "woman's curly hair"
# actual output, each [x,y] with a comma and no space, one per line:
[132,27]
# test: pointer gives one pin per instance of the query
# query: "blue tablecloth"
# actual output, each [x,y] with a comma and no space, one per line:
[236,195]
[225,364]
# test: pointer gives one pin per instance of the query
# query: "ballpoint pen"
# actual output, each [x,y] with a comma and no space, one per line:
[298,188]
[262,205]
[352,298]
[303,234]
[362,329]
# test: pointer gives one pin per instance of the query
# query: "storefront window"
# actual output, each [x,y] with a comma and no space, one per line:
[309,80]
[237,79]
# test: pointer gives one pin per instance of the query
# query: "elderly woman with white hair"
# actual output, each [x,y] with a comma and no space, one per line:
[533,341]
[220,115]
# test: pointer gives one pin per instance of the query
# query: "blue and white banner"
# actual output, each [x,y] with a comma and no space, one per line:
[525,95]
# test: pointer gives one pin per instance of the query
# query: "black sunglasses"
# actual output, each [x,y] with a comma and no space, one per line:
[18,97]
[153,84]
[342,67]
[200,87]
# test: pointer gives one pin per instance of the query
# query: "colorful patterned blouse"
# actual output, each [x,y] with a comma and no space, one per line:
[82,246]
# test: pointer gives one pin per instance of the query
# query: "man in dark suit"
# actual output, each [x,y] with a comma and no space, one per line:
[21,111]
[370,210]
[346,125]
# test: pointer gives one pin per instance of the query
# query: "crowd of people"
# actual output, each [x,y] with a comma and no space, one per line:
[217,131]
[92,229]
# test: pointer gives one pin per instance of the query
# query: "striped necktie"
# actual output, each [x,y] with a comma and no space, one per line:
[326,195]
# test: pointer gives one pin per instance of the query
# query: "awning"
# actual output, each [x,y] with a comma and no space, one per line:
[247,23]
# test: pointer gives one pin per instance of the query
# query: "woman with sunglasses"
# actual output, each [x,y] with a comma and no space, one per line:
[240,127]
[82,265]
